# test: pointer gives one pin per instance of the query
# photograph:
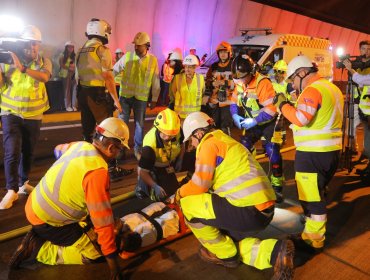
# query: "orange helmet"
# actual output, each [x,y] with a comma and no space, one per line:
[168,122]
[224,46]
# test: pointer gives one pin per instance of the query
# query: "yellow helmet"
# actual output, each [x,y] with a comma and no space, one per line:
[168,122]
[141,38]
[114,128]
[280,65]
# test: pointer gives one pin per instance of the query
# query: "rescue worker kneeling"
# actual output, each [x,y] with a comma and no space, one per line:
[228,200]
[161,148]
[76,187]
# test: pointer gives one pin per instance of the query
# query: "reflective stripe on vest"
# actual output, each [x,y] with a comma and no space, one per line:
[242,182]
[89,65]
[23,95]
[364,104]
[251,105]
[137,76]
[163,156]
[63,73]
[324,132]
[187,99]
[59,198]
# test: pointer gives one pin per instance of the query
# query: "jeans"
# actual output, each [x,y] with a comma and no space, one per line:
[139,108]
[19,140]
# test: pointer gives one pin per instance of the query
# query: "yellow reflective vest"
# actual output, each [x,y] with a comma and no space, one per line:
[89,64]
[63,73]
[324,132]
[138,75]
[239,178]
[248,98]
[22,95]
[187,99]
[163,155]
[364,104]
[59,197]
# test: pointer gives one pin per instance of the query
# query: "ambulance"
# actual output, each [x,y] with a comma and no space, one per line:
[266,48]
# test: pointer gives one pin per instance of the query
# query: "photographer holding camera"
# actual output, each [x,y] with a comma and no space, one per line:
[362,78]
[23,101]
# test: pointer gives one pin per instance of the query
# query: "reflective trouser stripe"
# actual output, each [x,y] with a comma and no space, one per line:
[200,206]
[257,253]
[79,252]
[211,238]
[314,230]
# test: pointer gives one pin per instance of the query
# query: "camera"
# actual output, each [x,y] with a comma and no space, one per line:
[8,45]
[356,62]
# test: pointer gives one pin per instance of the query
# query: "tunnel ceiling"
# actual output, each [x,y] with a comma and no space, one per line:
[353,14]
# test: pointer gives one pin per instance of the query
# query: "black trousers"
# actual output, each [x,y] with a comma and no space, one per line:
[324,164]
[95,105]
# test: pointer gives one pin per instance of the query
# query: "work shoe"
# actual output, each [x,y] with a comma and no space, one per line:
[364,172]
[207,256]
[117,173]
[8,200]
[26,188]
[279,194]
[27,250]
[284,267]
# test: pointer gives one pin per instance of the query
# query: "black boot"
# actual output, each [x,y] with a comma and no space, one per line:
[279,193]
[364,172]
[27,250]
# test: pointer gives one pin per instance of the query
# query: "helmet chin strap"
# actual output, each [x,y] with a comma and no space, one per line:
[301,79]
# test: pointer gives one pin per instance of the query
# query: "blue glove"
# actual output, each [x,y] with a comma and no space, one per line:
[157,193]
[237,120]
[248,123]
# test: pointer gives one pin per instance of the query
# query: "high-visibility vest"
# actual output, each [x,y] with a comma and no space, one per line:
[248,98]
[23,95]
[364,104]
[63,73]
[239,178]
[89,65]
[163,156]
[59,198]
[118,77]
[137,76]
[324,132]
[188,99]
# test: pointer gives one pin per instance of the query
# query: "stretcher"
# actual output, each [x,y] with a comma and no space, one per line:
[183,231]
[168,180]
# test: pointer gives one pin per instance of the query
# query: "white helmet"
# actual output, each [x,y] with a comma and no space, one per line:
[191,60]
[141,38]
[114,128]
[194,121]
[99,27]
[118,50]
[69,43]
[298,62]
[31,32]
[175,56]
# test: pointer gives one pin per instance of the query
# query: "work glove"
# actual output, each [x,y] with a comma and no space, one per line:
[278,99]
[157,193]
[237,120]
[248,123]
[221,95]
